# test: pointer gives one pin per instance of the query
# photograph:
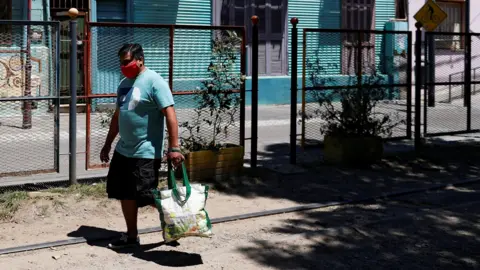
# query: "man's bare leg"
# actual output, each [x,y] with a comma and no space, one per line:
[130,212]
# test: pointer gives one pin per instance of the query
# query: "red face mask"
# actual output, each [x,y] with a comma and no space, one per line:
[131,70]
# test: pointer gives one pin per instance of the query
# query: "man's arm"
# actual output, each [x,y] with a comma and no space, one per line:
[113,130]
[172,126]
[162,95]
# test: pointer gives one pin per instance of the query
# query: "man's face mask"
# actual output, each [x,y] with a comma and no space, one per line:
[130,70]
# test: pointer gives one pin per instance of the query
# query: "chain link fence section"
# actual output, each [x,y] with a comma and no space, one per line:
[332,62]
[475,48]
[444,91]
[27,151]
[29,120]
[98,124]
[183,56]
[28,59]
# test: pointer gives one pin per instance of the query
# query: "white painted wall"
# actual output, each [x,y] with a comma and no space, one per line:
[450,62]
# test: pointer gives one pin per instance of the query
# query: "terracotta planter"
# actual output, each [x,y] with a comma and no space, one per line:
[353,150]
[210,165]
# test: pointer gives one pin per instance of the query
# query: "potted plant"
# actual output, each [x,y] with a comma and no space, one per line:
[352,125]
[204,137]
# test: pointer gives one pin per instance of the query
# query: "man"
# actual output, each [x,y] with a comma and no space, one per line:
[144,103]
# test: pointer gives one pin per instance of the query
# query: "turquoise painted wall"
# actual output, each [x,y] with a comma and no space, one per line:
[37,12]
[17,10]
[191,47]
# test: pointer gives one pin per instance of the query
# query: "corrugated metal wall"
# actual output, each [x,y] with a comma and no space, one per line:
[17,10]
[327,14]
[317,14]
[111,11]
[191,47]
[173,11]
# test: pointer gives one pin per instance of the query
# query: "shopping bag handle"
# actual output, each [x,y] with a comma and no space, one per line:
[172,182]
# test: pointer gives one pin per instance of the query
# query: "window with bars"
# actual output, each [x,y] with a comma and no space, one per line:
[64,5]
[272,47]
[454,23]
[358,15]
[5,14]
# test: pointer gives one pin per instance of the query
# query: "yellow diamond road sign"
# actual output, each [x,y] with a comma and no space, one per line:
[430,15]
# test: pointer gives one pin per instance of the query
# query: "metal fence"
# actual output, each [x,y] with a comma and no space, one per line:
[338,63]
[182,55]
[332,62]
[448,92]
[29,97]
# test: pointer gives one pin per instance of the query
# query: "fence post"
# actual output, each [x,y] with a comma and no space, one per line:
[294,92]
[170,56]
[57,100]
[254,144]
[430,68]
[243,94]
[418,84]
[468,79]
[27,104]
[409,87]
[73,98]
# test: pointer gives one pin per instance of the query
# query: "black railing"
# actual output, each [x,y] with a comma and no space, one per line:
[474,90]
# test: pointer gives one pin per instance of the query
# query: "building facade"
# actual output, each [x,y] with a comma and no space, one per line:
[274,28]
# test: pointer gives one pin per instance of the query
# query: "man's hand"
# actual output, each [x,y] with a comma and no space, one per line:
[176,158]
[105,153]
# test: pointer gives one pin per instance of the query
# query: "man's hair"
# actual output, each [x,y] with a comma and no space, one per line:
[134,49]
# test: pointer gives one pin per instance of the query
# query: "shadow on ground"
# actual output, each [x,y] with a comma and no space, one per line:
[146,252]
[403,169]
[435,231]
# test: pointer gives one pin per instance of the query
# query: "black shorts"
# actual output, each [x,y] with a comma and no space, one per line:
[133,179]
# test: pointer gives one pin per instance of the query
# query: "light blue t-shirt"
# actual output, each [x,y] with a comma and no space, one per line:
[141,121]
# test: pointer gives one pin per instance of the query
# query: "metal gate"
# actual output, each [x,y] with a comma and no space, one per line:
[336,62]
[29,97]
[452,61]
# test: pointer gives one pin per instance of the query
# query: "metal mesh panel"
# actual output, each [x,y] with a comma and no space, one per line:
[28,61]
[193,52]
[186,112]
[104,64]
[333,61]
[444,91]
[475,48]
[97,130]
[26,151]
[28,94]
